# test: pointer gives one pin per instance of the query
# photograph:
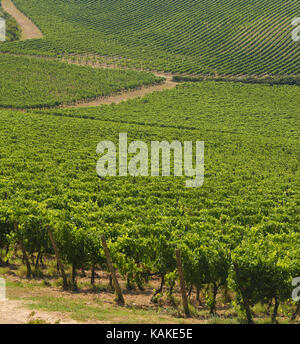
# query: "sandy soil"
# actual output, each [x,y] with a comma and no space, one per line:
[14,312]
[114,98]
[29,30]
[123,96]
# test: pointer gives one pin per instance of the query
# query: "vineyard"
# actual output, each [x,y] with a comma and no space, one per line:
[202,37]
[241,227]
[238,236]
[31,83]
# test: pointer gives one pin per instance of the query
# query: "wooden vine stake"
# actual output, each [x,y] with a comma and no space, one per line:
[59,262]
[20,239]
[112,271]
[182,284]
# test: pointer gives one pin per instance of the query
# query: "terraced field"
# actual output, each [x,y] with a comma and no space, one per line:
[208,37]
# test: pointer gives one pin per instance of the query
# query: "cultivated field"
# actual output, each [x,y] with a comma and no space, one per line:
[221,37]
[31,83]
[238,234]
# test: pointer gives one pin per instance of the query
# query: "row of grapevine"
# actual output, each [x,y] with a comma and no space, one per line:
[240,231]
[39,83]
[199,37]
[254,264]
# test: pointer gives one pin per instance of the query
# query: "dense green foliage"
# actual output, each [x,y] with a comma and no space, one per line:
[268,80]
[240,229]
[29,82]
[200,36]
[233,109]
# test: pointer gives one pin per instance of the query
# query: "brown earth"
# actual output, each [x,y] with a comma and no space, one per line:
[126,95]
[14,312]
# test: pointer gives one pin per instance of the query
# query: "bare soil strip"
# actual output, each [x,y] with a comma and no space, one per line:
[13,312]
[124,96]
[113,98]
[29,29]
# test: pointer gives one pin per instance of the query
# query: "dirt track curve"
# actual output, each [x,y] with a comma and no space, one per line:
[126,95]
[29,29]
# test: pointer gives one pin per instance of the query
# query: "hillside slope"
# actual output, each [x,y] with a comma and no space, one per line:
[201,36]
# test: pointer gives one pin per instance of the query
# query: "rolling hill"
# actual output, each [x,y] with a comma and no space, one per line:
[200,36]
[238,234]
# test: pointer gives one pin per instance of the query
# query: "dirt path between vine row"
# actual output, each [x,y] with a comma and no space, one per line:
[125,95]
[115,97]
[15,312]
[122,95]
[29,29]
